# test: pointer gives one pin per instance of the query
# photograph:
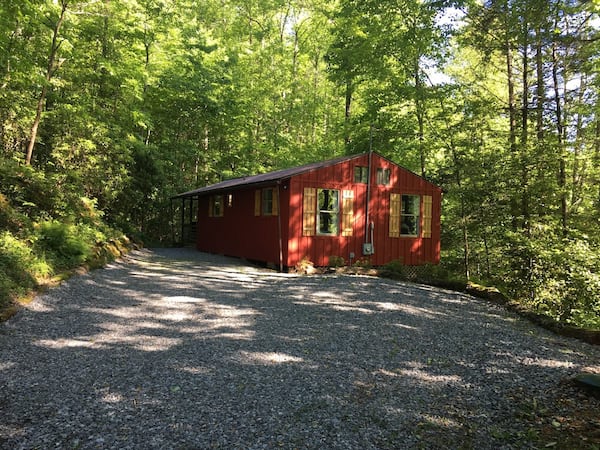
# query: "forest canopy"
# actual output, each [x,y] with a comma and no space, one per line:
[110,107]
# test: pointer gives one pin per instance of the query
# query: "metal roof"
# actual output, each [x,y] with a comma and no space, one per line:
[266,178]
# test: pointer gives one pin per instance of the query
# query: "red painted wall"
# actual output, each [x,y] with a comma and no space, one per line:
[240,233]
[318,249]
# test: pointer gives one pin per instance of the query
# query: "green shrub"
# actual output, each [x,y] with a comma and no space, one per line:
[66,245]
[336,261]
[558,277]
[20,268]
[566,284]
[10,219]
[47,226]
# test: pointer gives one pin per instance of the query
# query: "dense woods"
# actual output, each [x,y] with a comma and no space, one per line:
[109,107]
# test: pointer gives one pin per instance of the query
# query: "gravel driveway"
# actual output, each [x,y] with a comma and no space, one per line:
[173,348]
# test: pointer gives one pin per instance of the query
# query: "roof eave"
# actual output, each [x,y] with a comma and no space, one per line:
[286,174]
[223,189]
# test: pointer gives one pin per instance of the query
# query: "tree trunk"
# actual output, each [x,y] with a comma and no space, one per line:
[540,88]
[562,170]
[463,211]
[512,121]
[53,66]
[488,269]
[347,112]
[465,233]
[579,169]
[525,133]
[420,112]
[512,110]
[597,160]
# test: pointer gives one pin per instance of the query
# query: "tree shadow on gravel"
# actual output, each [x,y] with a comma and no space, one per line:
[172,349]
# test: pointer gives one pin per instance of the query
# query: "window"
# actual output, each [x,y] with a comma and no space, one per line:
[321,212]
[267,202]
[409,216]
[215,206]
[328,210]
[229,200]
[361,174]
[383,176]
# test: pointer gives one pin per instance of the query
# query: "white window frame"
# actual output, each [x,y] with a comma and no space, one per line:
[410,220]
[334,213]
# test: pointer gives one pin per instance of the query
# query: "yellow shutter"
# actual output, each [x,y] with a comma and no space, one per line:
[395,208]
[347,212]
[309,205]
[427,215]
[211,205]
[275,210]
[257,195]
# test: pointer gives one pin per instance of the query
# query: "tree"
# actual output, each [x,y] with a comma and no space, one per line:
[381,55]
[546,102]
[53,65]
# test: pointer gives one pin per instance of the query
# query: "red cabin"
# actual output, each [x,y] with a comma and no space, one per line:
[354,207]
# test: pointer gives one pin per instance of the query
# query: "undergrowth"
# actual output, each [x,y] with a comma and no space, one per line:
[45,232]
[567,293]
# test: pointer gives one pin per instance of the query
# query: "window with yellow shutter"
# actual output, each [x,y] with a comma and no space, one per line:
[409,215]
[328,217]
[405,215]
[267,202]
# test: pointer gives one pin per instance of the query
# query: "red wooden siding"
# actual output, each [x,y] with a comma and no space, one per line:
[318,249]
[244,231]
[239,232]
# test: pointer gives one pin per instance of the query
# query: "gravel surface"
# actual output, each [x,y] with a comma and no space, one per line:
[172,348]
